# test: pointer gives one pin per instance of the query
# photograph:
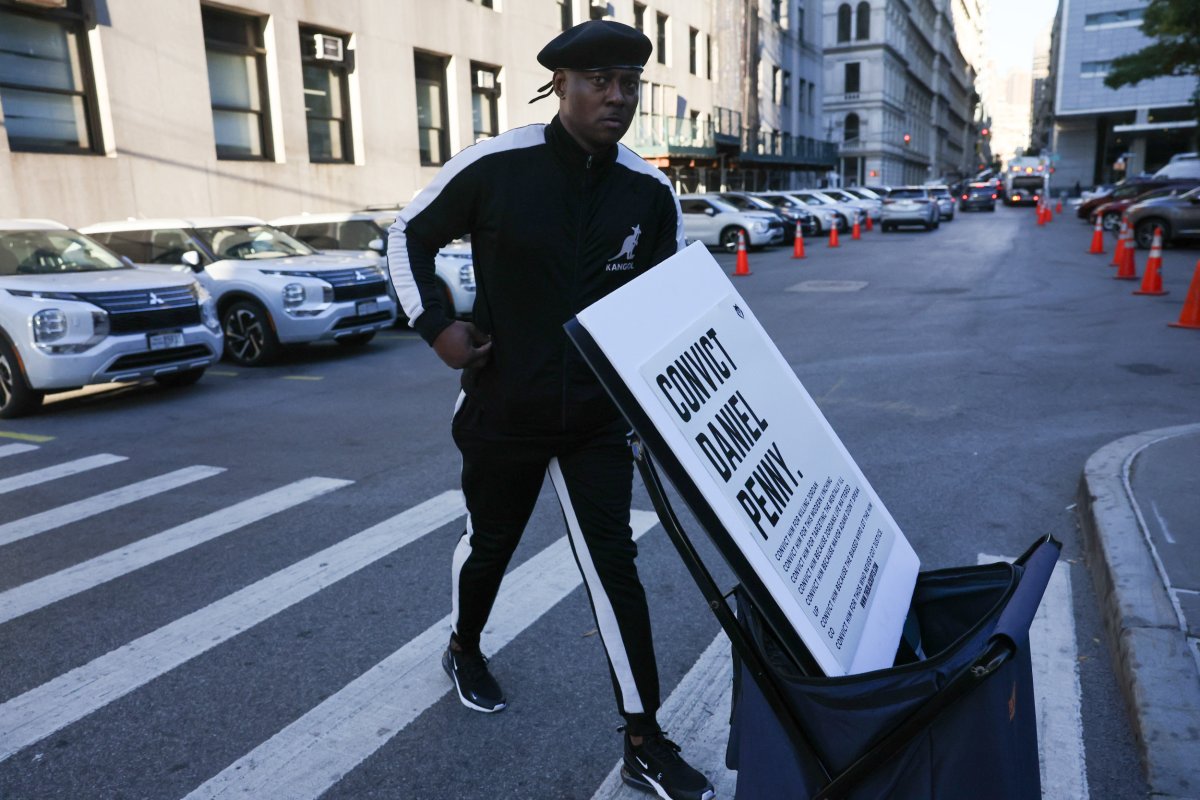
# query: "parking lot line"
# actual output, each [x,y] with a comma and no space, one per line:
[26,437]
[303,378]
[57,471]
[16,449]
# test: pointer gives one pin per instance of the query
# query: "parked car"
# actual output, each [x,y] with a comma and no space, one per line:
[792,218]
[715,222]
[364,234]
[74,314]
[1181,165]
[909,205]
[978,196]
[813,196]
[1110,213]
[944,199]
[824,217]
[1129,188]
[1177,215]
[868,208]
[270,288]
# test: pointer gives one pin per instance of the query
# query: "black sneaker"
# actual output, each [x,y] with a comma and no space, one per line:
[656,767]
[477,689]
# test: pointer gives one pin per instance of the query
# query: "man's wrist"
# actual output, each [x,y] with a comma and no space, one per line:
[430,326]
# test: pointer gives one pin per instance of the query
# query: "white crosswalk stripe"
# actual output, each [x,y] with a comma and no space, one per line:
[16,449]
[55,704]
[65,470]
[89,507]
[115,563]
[309,756]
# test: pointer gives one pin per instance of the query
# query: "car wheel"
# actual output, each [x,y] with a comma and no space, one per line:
[885,228]
[174,380]
[249,335]
[1111,221]
[1143,232]
[17,397]
[356,340]
[729,239]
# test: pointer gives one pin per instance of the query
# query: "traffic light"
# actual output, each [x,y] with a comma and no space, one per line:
[985,131]
[907,138]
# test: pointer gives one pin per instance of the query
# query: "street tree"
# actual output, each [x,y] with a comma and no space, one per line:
[1174,27]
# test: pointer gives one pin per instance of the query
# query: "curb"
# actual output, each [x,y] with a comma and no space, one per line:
[1155,668]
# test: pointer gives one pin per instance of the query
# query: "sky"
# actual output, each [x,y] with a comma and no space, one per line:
[1012,28]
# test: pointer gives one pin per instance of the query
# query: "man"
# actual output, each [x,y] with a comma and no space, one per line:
[559,216]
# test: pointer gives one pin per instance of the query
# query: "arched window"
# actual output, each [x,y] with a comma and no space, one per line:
[850,129]
[844,14]
[862,28]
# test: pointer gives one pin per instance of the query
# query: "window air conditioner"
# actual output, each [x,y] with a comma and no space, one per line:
[485,79]
[328,48]
[599,5]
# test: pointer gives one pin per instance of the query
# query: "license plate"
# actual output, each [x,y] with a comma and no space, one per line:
[367,307]
[163,341]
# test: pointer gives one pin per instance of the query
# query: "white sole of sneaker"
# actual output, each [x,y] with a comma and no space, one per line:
[463,699]
[646,784]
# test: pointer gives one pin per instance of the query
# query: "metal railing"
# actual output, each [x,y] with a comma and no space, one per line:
[785,148]
[656,134]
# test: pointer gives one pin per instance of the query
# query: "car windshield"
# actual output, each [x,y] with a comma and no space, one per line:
[940,191]
[53,253]
[779,201]
[840,196]
[812,200]
[1194,194]
[863,194]
[981,191]
[906,194]
[251,242]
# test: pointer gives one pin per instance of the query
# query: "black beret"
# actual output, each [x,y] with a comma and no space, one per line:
[597,44]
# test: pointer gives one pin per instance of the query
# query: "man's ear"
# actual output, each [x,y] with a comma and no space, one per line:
[560,83]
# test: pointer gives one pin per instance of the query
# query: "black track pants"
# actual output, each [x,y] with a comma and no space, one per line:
[593,476]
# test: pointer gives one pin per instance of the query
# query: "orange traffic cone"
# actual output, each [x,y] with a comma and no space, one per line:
[870,227]
[833,236]
[1190,316]
[798,244]
[1127,270]
[1119,255]
[1097,247]
[856,231]
[1152,280]
[743,262]
[1041,214]
[1058,206]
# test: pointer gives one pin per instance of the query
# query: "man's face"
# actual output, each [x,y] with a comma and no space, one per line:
[597,107]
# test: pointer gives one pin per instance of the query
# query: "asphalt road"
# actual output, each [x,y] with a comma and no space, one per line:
[970,371]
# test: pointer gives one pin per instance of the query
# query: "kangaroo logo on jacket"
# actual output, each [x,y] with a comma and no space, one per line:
[615,264]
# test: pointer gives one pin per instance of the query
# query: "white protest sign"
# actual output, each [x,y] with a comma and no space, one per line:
[763,456]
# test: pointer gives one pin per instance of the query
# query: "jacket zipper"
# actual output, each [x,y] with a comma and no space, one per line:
[587,173]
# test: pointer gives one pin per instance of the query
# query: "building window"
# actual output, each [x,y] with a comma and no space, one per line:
[564,13]
[484,3]
[485,97]
[803,83]
[800,21]
[324,64]
[45,85]
[708,57]
[693,46]
[862,25]
[850,129]
[851,74]
[1114,19]
[1094,69]
[639,17]
[785,91]
[776,84]
[777,11]
[662,38]
[843,22]
[237,83]
[432,132]
[812,109]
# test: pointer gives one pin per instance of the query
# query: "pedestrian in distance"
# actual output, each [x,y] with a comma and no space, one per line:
[559,215]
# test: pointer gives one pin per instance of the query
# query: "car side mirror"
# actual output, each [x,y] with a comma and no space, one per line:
[126,260]
[192,259]
[376,245]
[710,211]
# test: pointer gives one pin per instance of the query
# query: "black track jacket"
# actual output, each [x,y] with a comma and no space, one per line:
[552,231]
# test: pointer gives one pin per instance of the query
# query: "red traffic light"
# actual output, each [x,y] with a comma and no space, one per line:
[985,131]
[907,138]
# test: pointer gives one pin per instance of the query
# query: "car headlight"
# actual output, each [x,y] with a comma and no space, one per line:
[49,325]
[290,273]
[293,295]
[760,227]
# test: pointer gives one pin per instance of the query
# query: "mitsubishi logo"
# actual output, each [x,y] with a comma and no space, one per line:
[358,276]
[155,300]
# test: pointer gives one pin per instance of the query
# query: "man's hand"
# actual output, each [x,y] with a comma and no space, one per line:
[462,345]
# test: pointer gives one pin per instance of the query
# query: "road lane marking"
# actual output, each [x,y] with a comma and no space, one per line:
[16,449]
[26,437]
[40,712]
[64,470]
[697,716]
[828,286]
[306,758]
[90,506]
[224,373]
[106,567]
[1054,654]
[303,378]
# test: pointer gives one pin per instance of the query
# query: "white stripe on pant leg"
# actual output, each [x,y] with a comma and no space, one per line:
[610,631]
[461,553]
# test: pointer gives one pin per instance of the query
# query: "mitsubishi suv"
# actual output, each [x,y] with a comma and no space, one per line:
[364,234]
[715,222]
[271,289]
[73,314]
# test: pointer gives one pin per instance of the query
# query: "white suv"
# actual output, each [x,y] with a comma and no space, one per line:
[73,314]
[716,222]
[270,288]
[364,233]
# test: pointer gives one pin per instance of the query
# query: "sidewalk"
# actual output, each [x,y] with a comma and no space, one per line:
[1139,504]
